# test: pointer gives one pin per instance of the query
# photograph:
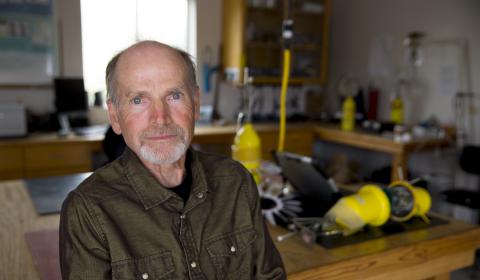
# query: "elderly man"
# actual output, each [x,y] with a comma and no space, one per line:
[163,210]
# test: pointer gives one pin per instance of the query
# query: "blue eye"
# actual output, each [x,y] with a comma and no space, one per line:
[176,95]
[136,100]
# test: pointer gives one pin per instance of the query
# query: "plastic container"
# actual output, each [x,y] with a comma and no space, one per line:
[348,114]
[247,149]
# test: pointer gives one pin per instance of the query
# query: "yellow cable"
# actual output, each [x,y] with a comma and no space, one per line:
[283,99]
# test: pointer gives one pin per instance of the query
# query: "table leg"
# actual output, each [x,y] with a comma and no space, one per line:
[399,167]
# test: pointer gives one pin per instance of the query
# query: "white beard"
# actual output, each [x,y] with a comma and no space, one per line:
[170,156]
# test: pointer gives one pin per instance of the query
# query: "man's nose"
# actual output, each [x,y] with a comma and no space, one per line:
[159,113]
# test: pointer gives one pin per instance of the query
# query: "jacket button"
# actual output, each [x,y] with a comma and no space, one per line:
[145,276]
[233,249]
[193,264]
[200,195]
[182,216]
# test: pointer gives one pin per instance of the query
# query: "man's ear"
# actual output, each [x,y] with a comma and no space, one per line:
[196,103]
[113,115]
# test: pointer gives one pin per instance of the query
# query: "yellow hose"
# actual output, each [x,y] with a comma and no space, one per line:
[283,99]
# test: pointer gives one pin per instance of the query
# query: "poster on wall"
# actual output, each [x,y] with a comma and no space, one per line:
[27,42]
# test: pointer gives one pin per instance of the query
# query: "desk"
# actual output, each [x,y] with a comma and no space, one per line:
[422,254]
[417,254]
[40,155]
[47,154]
[373,142]
[298,139]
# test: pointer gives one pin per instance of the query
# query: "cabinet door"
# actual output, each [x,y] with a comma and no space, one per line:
[296,141]
[11,163]
[50,160]
[252,36]
[310,40]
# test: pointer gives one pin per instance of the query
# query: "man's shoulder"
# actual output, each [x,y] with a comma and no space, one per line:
[226,176]
[216,165]
[104,183]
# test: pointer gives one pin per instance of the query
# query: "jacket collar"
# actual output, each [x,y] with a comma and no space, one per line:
[149,190]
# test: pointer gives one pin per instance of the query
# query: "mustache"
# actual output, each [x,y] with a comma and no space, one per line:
[160,130]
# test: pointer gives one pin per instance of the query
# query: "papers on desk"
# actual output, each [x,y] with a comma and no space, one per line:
[90,130]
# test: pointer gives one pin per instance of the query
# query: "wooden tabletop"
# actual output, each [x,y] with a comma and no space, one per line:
[419,254]
[399,151]
[224,134]
[50,138]
[376,142]
[325,132]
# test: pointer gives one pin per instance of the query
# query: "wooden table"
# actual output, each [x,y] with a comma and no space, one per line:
[423,254]
[298,139]
[48,154]
[414,255]
[373,142]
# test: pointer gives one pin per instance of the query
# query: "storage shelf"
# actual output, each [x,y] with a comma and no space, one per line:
[252,39]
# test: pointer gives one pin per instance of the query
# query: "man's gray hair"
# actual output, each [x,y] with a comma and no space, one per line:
[191,75]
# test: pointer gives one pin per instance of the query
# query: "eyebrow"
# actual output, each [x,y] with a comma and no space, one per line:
[178,89]
[135,93]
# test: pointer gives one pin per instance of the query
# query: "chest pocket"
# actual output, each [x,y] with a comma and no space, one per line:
[158,266]
[232,253]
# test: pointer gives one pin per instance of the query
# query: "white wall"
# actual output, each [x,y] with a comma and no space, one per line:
[356,24]
[70,37]
[209,32]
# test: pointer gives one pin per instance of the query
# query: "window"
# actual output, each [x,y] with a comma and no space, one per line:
[109,26]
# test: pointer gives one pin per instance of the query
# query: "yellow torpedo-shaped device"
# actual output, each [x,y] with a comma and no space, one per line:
[369,206]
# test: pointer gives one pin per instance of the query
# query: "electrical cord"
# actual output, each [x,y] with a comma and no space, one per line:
[287,35]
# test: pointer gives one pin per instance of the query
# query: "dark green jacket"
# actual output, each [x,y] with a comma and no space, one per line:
[120,223]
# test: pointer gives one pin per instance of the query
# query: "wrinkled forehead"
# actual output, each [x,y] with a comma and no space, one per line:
[149,53]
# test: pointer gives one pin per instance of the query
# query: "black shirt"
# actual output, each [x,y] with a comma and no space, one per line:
[183,190]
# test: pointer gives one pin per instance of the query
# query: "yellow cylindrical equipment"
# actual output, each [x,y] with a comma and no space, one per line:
[247,149]
[370,205]
[408,201]
[424,201]
[378,210]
